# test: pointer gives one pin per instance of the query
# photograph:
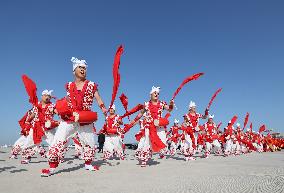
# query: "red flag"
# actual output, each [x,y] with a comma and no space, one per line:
[134,110]
[124,100]
[261,129]
[218,126]
[31,89]
[188,79]
[213,97]
[250,126]
[246,120]
[115,73]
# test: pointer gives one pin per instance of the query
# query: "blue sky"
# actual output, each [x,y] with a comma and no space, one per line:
[239,45]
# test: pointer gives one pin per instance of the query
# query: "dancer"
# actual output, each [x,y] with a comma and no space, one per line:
[75,110]
[191,130]
[154,125]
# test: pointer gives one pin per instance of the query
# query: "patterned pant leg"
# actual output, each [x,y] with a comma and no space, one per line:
[108,147]
[118,149]
[146,151]
[28,149]
[188,149]
[58,148]
[87,138]
[173,148]
[228,147]
[17,147]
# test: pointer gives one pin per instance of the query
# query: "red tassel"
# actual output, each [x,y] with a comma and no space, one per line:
[188,79]
[213,97]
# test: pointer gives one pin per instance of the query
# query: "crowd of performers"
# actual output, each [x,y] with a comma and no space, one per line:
[76,122]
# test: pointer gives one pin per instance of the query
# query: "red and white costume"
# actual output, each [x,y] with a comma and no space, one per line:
[155,136]
[242,141]
[175,136]
[140,137]
[34,130]
[82,101]
[191,131]
[236,147]
[113,142]
[78,102]
[230,137]
[258,142]
[211,138]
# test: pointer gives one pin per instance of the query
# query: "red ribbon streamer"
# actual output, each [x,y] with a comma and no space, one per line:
[133,110]
[188,79]
[116,75]
[218,126]
[233,120]
[246,120]
[213,97]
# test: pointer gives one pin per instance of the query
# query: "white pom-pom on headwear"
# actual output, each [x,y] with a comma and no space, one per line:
[176,121]
[113,107]
[155,89]
[210,116]
[76,62]
[47,92]
[238,124]
[192,104]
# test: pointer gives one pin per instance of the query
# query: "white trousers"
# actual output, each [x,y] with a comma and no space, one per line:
[66,131]
[28,147]
[228,146]
[187,146]
[113,145]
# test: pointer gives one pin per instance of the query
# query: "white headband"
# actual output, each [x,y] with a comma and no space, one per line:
[210,116]
[112,107]
[47,92]
[176,121]
[192,104]
[76,62]
[155,89]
